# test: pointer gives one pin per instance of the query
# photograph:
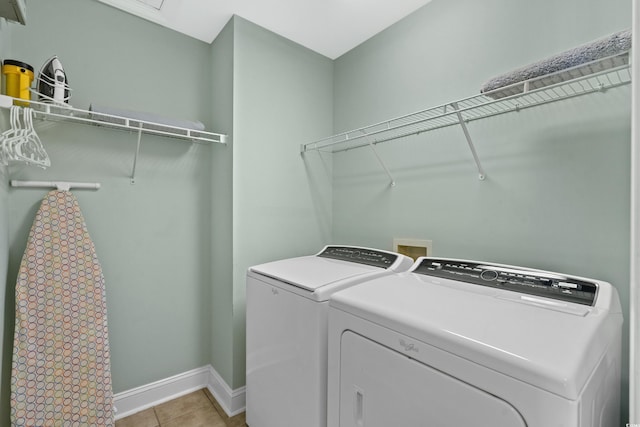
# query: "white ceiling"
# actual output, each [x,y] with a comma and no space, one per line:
[329,27]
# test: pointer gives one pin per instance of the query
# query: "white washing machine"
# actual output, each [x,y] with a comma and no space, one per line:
[287,305]
[462,343]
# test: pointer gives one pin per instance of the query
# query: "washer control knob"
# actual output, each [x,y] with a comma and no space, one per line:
[489,275]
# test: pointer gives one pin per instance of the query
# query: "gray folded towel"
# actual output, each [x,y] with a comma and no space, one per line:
[609,46]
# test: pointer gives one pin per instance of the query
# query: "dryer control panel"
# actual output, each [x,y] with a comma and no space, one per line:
[516,279]
[360,255]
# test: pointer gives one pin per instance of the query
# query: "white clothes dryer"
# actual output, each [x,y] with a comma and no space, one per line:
[463,343]
[287,305]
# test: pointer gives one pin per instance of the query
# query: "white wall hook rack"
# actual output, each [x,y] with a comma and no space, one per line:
[463,125]
[594,77]
[135,158]
[392,182]
[60,185]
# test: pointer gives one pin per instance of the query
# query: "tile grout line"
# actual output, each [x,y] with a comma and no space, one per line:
[155,414]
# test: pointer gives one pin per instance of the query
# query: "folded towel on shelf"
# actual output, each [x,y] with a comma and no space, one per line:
[104,114]
[606,47]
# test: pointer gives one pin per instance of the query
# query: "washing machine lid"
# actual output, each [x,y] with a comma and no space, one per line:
[552,345]
[332,265]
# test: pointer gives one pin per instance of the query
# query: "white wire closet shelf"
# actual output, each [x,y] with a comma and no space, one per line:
[64,112]
[596,76]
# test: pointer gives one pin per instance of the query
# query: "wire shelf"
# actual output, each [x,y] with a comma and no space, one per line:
[596,76]
[64,112]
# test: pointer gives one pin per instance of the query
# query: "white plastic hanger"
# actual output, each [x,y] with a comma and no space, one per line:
[21,142]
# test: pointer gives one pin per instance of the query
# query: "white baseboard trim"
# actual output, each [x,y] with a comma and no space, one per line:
[232,401]
[140,398]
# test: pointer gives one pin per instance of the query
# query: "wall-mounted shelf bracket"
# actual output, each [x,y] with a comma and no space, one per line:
[463,125]
[392,182]
[135,158]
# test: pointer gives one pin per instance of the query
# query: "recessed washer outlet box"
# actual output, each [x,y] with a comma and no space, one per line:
[413,248]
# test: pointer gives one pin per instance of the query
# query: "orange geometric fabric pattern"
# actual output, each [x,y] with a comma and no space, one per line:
[61,369]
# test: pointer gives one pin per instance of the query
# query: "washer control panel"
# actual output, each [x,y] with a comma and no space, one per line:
[360,255]
[516,279]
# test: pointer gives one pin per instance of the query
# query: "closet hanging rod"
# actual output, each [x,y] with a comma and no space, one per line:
[60,185]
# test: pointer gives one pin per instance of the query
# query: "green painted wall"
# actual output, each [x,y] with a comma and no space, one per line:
[222,355]
[152,238]
[267,203]
[281,202]
[175,246]
[6,335]
[556,195]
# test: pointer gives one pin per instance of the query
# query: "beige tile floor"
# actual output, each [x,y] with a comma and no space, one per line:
[197,409]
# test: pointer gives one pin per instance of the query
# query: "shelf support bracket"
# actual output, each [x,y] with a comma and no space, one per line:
[135,159]
[463,125]
[392,181]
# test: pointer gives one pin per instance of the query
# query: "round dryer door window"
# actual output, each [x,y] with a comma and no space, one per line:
[380,387]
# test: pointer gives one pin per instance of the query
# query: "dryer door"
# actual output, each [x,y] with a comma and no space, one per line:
[380,387]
